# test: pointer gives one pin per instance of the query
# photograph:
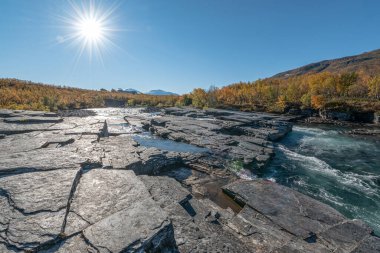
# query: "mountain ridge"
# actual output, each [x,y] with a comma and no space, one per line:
[157,92]
[367,62]
[160,93]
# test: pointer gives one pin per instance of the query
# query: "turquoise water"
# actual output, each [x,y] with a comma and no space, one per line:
[339,170]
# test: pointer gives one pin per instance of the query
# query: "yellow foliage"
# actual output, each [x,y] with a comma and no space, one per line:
[305,91]
[272,94]
[318,101]
[24,95]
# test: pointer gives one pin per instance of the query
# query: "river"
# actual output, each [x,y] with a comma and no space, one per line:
[339,170]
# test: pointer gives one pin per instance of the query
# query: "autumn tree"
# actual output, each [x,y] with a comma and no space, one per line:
[199,98]
[374,87]
[345,81]
[281,103]
[317,101]
[212,98]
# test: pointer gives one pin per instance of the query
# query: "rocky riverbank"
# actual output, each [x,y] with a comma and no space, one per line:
[103,183]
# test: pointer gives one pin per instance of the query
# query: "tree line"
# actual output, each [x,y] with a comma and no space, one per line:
[26,95]
[354,91]
[344,91]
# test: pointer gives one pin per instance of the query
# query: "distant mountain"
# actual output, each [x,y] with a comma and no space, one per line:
[130,91]
[152,92]
[368,62]
[160,93]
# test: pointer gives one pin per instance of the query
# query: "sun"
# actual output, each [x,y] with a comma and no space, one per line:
[90,28]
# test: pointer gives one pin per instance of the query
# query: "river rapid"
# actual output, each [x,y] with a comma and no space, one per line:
[339,170]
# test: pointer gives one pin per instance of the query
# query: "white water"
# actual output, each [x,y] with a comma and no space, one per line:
[339,170]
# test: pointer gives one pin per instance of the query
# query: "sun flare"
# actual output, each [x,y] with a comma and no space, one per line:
[89,28]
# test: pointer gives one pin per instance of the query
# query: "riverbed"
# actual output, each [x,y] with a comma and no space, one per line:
[318,160]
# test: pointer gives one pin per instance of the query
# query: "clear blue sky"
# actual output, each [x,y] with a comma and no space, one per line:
[177,45]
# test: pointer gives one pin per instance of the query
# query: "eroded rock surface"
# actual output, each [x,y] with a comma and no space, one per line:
[58,195]
[245,137]
[84,182]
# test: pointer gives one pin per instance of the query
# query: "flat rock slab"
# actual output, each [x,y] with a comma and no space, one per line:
[75,244]
[102,193]
[14,128]
[196,222]
[32,120]
[143,227]
[116,212]
[38,191]
[30,232]
[346,236]
[39,160]
[36,140]
[370,245]
[33,206]
[19,125]
[307,225]
[291,210]
[4,113]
